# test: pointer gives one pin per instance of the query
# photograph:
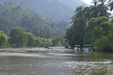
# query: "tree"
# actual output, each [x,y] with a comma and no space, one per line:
[96,28]
[105,43]
[18,37]
[3,39]
[110,4]
[58,41]
[75,34]
[101,8]
[37,42]
[31,39]
[99,33]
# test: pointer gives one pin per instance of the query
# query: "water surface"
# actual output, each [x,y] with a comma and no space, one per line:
[59,61]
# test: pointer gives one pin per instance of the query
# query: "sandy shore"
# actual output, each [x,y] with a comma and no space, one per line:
[25,49]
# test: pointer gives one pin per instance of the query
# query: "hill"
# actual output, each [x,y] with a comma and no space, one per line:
[55,10]
[50,9]
[13,15]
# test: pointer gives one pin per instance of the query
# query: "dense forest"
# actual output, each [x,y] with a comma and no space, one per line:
[92,25]
[49,9]
[32,27]
[23,14]
[13,15]
[22,27]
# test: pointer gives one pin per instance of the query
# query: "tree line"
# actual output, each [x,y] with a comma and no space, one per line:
[19,38]
[13,15]
[92,25]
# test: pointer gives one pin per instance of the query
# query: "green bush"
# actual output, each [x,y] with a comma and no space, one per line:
[104,44]
[3,39]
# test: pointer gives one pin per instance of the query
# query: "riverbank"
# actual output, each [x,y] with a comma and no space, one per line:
[34,49]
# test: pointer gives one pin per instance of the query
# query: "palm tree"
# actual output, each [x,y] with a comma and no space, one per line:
[101,8]
[110,4]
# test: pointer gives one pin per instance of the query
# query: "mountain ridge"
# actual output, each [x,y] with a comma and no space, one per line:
[55,10]
[13,15]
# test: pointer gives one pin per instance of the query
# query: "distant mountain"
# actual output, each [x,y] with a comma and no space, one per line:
[73,3]
[13,15]
[56,10]
[50,9]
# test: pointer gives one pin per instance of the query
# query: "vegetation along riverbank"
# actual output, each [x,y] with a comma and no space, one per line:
[19,38]
[23,28]
[92,25]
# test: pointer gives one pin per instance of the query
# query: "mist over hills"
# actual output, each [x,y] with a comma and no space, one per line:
[13,15]
[55,10]
[73,3]
[44,18]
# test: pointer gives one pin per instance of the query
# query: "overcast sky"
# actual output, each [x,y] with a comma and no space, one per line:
[87,1]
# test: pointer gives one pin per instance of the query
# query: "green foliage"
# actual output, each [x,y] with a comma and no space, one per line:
[75,34]
[110,4]
[42,42]
[99,32]
[96,28]
[44,8]
[45,42]
[103,44]
[18,37]
[3,39]
[30,39]
[13,15]
[37,42]
[58,41]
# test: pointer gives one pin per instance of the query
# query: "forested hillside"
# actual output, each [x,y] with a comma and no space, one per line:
[55,10]
[13,15]
[50,9]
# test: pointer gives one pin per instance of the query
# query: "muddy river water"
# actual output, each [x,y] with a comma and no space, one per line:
[59,61]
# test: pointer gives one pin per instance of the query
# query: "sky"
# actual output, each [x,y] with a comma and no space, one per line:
[87,1]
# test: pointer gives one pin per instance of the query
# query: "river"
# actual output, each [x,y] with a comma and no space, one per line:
[59,61]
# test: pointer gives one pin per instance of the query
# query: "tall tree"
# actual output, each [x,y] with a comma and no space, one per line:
[18,37]
[75,34]
[110,4]
[100,7]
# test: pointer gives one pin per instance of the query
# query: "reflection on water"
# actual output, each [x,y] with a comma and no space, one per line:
[56,62]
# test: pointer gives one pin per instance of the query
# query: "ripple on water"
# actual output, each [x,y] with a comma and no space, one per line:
[25,54]
[82,68]
[62,66]
[91,68]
